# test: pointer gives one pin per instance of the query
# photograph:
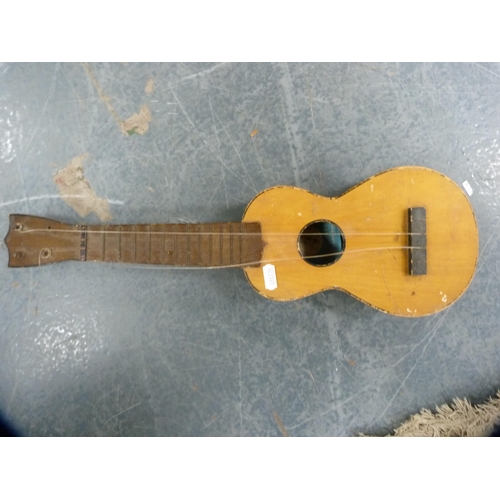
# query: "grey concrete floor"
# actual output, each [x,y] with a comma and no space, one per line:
[107,349]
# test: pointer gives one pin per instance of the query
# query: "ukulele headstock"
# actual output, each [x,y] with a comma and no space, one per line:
[35,241]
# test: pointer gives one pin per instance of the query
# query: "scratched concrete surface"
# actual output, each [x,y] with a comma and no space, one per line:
[102,349]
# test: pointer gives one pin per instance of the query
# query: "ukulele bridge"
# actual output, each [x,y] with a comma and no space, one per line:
[417,241]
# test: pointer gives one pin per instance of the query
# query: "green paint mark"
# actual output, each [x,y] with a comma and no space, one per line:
[132,131]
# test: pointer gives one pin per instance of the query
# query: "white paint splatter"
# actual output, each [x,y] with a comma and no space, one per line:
[76,191]
[150,86]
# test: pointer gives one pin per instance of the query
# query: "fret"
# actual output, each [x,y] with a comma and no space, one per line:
[142,246]
[119,243]
[83,243]
[135,243]
[215,247]
[127,244]
[225,244]
[103,233]
[210,245]
[176,229]
[156,247]
[239,242]
[194,245]
[182,245]
[163,256]
[168,247]
[149,244]
[220,244]
[199,243]
[188,252]
[230,244]
[110,249]
[204,245]
[94,243]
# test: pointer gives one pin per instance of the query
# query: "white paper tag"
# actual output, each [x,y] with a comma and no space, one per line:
[270,281]
[467,187]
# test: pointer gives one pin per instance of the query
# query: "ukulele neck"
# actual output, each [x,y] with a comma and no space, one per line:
[35,241]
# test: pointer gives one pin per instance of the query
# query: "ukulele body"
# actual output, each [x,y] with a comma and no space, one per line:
[374,265]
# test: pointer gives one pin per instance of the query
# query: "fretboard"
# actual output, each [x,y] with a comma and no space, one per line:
[199,245]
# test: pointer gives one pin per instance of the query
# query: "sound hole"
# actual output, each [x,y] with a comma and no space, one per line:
[321,243]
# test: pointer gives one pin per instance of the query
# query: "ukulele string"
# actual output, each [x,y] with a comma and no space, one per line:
[207,233]
[254,263]
[246,264]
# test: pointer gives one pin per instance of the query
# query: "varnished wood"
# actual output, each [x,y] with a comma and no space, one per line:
[373,217]
[36,241]
[378,277]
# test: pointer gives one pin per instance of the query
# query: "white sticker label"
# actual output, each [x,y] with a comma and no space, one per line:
[467,187]
[270,281]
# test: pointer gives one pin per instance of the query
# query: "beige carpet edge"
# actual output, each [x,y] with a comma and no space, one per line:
[460,419]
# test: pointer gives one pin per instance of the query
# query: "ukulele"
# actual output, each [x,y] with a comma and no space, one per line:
[405,241]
